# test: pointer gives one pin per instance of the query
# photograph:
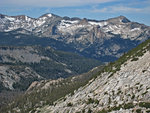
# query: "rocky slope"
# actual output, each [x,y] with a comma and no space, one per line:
[123,87]
[20,66]
[45,92]
[105,40]
[120,87]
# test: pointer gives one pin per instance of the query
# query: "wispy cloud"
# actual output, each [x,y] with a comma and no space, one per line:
[51,3]
[121,9]
[128,6]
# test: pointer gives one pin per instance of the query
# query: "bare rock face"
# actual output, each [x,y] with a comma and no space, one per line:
[88,37]
[11,77]
[20,17]
[20,66]
[126,91]
[43,84]
[120,87]
[25,55]
[83,21]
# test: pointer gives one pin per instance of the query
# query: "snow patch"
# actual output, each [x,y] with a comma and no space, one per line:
[98,23]
[68,71]
[27,19]
[49,15]
[66,23]
[136,29]
[9,18]
[69,26]
[39,22]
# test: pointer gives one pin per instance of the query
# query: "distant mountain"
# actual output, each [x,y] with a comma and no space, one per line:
[105,40]
[120,87]
[20,66]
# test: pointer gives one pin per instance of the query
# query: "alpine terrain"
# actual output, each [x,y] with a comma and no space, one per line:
[54,64]
[20,66]
[120,87]
[105,40]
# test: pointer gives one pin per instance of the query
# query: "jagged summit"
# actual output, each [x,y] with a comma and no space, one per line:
[2,16]
[46,15]
[72,19]
[24,17]
[84,21]
[119,19]
[20,17]
[124,19]
[89,37]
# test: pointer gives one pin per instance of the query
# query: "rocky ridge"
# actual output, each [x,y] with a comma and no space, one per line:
[90,38]
[47,91]
[20,66]
[121,88]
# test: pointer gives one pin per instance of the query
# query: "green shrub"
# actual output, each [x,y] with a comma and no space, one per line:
[134,59]
[69,104]
[144,104]
[96,101]
[83,111]
[89,110]
[128,106]
[143,71]
[103,111]
[106,93]
[114,108]
[90,101]
[148,111]
[138,111]
[119,92]
[133,96]
[144,92]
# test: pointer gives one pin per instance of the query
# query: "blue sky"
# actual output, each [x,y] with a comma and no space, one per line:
[135,10]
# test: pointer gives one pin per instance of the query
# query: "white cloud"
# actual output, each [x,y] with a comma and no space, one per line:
[122,9]
[51,3]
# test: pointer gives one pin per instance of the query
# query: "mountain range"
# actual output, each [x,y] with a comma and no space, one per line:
[105,40]
[56,64]
[120,87]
